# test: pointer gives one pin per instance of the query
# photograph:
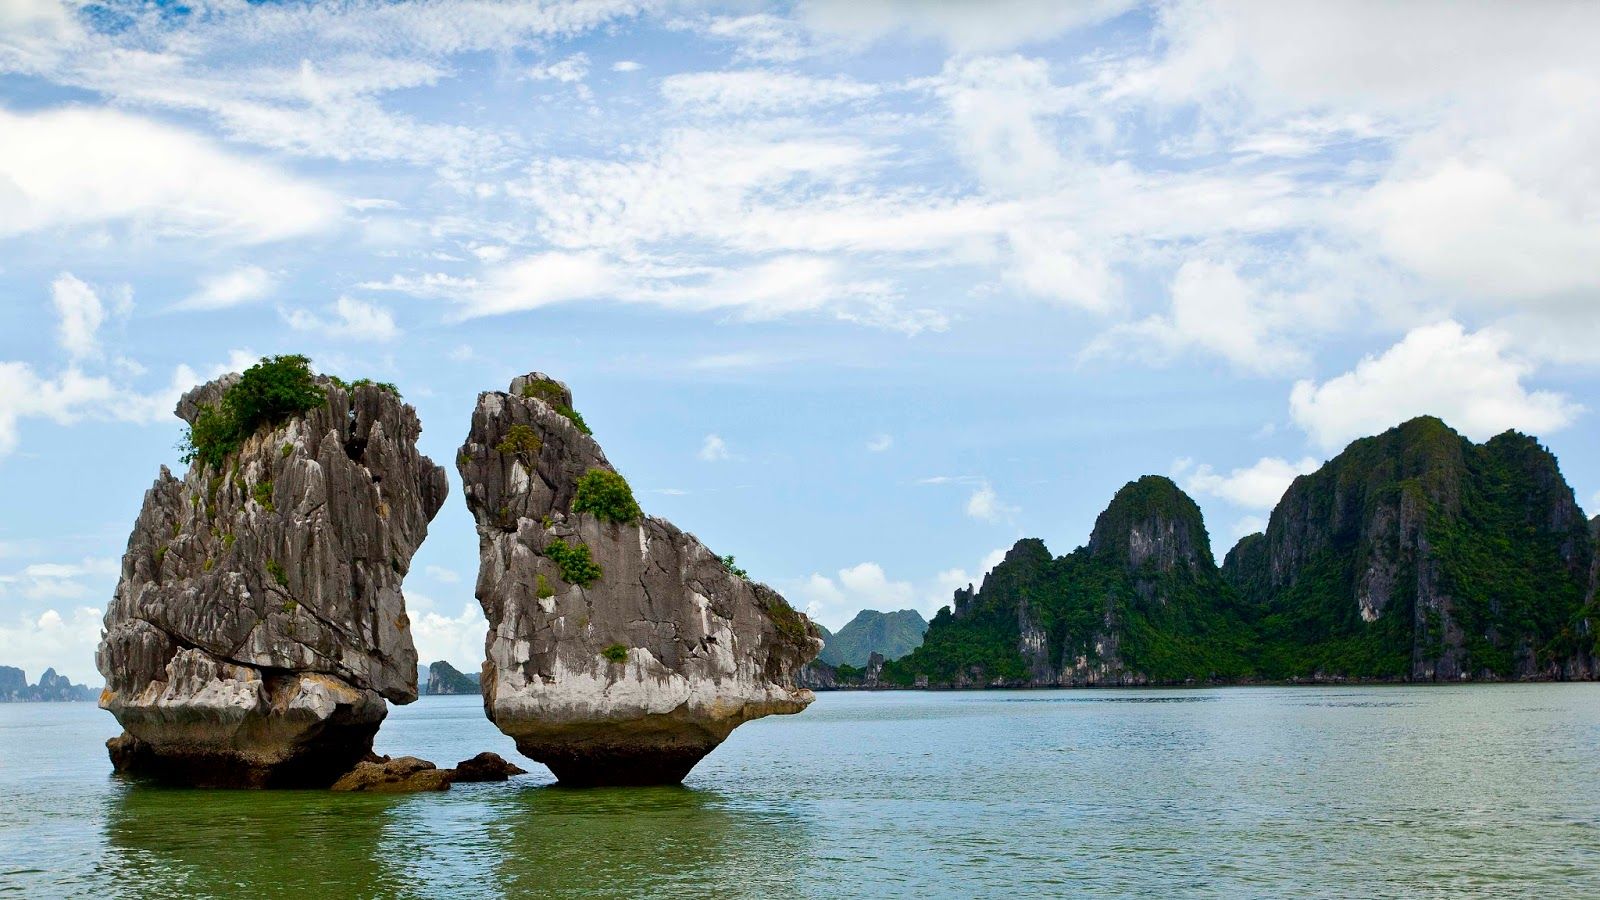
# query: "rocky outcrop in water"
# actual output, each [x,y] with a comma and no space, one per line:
[620,650]
[892,634]
[405,775]
[52,688]
[258,625]
[486,767]
[444,678]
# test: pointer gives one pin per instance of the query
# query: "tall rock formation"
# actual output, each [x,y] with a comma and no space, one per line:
[1141,603]
[620,649]
[1420,555]
[258,626]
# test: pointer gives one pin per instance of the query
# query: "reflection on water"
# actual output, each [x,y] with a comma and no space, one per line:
[624,842]
[164,842]
[1339,791]
[477,840]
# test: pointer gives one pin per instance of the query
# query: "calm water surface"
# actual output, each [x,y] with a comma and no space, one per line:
[1393,791]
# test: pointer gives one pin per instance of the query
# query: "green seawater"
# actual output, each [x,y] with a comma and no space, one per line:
[1487,790]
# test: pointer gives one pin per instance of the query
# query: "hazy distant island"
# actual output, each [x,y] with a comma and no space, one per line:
[14,688]
[442,678]
[1415,555]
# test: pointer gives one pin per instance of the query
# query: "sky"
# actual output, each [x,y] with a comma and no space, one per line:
[858,291]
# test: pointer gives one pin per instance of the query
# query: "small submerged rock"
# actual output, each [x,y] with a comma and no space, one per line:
[406,775]
[621,650]
[486,767]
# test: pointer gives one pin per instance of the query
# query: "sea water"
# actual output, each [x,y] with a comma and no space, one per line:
[1490,790]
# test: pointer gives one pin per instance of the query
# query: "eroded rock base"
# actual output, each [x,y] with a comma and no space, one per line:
[617,767]
[319,765]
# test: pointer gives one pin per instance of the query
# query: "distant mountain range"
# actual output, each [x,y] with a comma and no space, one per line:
[892,634]
[1415,555]
[443,678]
[14,688]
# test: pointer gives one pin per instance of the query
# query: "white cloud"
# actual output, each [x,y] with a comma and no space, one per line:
[713,449]
[1246,525]
[880,443]
[963,27]
[1469,380]
[568,70]
[81,166]
[985,504]
[758,91]
[75,396]
[456,639]
[79,315]
[626,65]
[34,643]
[1259,486]
[350,318]
[834,601]
[1215,310]
[540,280]
[442,574]
[229,289]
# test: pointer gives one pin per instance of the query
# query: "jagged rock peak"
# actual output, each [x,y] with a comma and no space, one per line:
[258,624]
[620,649]
[1152,522]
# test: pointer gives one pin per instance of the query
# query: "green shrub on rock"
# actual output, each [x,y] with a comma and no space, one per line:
[275,389]
[577,567]
[607,495]
[521,441]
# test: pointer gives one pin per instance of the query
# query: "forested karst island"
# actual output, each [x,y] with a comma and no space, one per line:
[1414,555]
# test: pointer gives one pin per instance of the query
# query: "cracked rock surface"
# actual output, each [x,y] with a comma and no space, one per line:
[258,625]
[635,676]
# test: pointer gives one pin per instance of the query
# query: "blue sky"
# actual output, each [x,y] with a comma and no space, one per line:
[860,291]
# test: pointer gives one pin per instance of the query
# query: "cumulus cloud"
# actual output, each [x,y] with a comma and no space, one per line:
[1469,379]
[1214,310]
[38,641]
[348,318]
[79,315]
[568,70]
[457,639]
[1259,486]
[713,449]
[82,166]
[985,505]
[834,600]
[226,290]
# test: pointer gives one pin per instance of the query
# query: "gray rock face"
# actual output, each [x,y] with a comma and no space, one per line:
[634,676]
[258,626]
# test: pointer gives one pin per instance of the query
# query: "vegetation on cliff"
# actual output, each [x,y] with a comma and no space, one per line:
[1415,554]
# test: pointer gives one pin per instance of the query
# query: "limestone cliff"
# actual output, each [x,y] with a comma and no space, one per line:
[258,625]
[1141,603]
[1417,554]
[620,649]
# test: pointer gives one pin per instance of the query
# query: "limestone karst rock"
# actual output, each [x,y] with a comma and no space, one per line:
[258,625]
[620,649]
